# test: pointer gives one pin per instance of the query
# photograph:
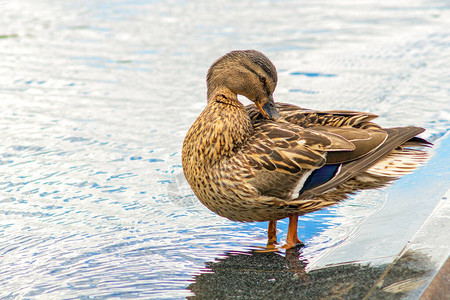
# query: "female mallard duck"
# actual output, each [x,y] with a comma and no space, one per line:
[267,161]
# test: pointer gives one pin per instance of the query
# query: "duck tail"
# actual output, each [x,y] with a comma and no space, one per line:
[402,160]
[399,163]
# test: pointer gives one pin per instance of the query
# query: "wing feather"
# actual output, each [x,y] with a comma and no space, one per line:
[305,140]
[288,148]
[310,118]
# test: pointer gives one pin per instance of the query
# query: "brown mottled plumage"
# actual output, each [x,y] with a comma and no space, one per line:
[254,163]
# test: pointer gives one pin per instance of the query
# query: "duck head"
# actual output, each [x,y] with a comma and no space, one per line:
[245,72]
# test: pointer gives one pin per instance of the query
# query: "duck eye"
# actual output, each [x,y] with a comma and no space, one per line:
[262,79]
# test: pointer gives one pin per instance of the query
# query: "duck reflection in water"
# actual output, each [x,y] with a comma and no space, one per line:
[272,275]
[250,274]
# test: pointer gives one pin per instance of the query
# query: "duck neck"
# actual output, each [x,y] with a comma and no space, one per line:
[226,126]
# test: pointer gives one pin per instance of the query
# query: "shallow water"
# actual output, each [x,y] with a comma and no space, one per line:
[96,98]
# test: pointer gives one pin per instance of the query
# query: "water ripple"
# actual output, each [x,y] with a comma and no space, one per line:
[97,98]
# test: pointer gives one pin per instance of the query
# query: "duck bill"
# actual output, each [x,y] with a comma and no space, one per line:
[268,109]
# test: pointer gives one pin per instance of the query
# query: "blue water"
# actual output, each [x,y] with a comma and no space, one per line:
[95,100]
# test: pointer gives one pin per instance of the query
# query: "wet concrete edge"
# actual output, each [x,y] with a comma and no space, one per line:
[421,269]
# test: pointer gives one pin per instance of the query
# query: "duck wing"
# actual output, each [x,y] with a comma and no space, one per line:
[395,137]
[280,153]
[365,141]
[371,143]
[354,127]
[289,148]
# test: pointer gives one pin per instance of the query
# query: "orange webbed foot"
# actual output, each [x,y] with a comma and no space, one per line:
[292,240]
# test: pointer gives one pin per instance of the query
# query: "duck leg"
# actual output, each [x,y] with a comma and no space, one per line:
[292,239]
[272,233]
[272,238]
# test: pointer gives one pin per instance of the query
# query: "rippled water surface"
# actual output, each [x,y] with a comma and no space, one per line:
[95,99]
